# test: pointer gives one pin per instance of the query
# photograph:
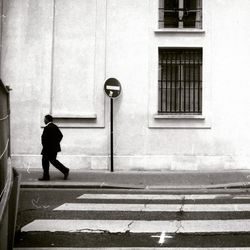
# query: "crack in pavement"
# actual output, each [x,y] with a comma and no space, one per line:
[126,230]
[180,213]
[129,227]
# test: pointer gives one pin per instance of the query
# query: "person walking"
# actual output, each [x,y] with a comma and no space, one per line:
[51,138]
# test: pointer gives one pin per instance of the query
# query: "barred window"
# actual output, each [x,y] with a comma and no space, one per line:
[180,81]
[180,14]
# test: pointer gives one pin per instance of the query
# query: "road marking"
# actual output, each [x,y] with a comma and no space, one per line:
[154,207]
[242,197]
[162,237]
[139,226]
[155,197]
[35,202]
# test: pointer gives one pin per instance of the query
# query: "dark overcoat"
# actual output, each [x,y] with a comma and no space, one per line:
[51,138]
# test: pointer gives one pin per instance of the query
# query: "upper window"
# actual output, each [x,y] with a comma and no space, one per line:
[180,81]
[180,14]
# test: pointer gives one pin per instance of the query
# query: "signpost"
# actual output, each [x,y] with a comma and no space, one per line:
[112,88]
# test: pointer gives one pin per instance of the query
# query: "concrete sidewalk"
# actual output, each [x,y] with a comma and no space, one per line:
[165,180]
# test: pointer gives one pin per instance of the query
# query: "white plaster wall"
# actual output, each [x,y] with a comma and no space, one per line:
[221,141]
[27,67]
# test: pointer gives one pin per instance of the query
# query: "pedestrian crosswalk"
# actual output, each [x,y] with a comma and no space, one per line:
[236,221]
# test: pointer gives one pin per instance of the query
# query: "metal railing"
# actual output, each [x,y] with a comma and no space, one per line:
[180,80]
[9,178]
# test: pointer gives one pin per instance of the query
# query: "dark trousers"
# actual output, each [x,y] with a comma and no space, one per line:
[51,158]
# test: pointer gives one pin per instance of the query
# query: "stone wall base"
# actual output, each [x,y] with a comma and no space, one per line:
[141,163]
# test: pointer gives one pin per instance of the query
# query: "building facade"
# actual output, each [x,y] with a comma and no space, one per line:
[184,70]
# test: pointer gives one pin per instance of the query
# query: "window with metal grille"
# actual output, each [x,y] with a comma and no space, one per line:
[180,14]
[180,81]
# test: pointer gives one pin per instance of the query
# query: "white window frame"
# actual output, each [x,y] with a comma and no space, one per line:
[178,104]
[179,121]
[180,29]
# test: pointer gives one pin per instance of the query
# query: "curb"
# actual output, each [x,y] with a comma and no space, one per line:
[79,185]
[75,185]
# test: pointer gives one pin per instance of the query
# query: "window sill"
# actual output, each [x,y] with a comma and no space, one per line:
[72,116]
[179,117]
[74,120]
[179,121]
[196,31]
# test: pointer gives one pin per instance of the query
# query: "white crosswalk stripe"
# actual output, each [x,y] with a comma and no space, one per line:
[122,226]
[154,196]
[154,207]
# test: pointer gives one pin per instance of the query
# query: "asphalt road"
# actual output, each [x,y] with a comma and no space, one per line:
[98,218]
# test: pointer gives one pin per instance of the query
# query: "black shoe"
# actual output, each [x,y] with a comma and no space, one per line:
[66,175]
[44,179]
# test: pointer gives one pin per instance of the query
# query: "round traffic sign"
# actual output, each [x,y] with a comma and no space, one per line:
[112,87]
